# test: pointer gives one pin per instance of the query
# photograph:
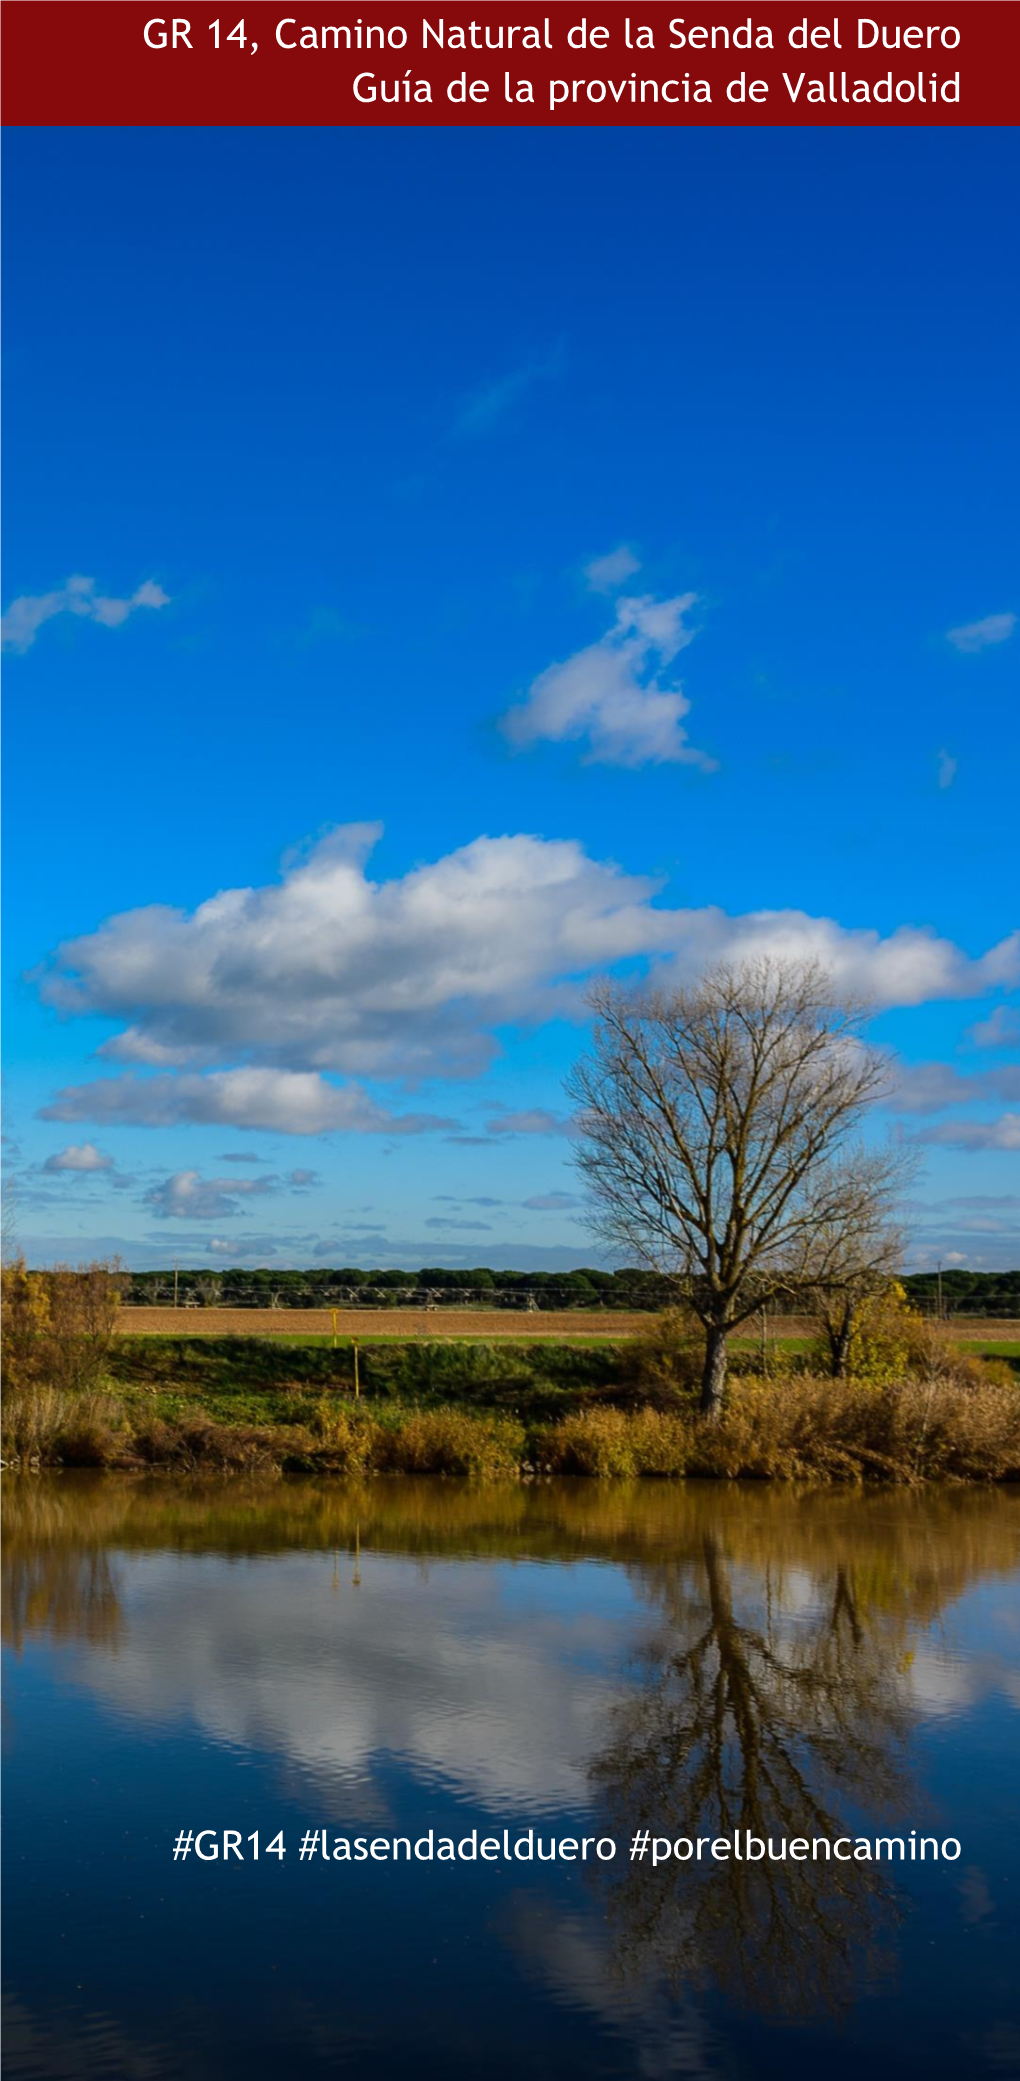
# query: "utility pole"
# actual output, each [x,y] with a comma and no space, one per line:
[940,1287]
[175,1282]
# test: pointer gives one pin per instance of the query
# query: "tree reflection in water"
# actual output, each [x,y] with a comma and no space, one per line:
[774,1704]
[774,1694]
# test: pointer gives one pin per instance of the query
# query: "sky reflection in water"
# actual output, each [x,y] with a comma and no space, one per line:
[568,1657]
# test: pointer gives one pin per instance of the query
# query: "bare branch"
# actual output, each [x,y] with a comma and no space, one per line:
[718,1127]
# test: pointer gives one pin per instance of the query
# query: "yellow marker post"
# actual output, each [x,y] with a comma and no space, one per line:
[357,1382]
[334,1329]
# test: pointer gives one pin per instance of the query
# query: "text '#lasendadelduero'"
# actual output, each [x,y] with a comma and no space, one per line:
[210,1845]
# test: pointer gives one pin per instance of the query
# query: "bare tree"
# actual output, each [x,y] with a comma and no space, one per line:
[850,1257]
[710,1118]
[750,1724]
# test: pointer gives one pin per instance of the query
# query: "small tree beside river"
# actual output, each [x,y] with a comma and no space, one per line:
[716,1125]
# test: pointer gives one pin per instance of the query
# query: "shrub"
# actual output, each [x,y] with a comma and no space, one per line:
[668,1357]
[878,1347]
[852,1430]
[661,1442]
[592,1441]
[450,1441]
[197,1444]
[346,1438]
[58,1326]
[617,1443]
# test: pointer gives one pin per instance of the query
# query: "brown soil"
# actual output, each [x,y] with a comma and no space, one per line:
[375,1322]
[452,1322]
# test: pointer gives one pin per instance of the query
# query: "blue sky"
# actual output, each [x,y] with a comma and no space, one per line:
[503,557]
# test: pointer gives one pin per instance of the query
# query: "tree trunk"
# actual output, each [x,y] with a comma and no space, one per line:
[841,1345]
[713,1379]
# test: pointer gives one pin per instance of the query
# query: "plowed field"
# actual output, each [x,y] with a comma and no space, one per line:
[374,1322]
[454,1322]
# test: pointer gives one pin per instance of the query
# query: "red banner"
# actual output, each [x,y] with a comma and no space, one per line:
[119,62]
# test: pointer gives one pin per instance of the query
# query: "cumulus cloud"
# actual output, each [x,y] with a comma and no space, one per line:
[979,635]
[266,992]
[605,573]
[983,1200]
[478,1199]
[187,1196]
[552,1202]
[1003,1133]
[611,696]
[25,616]
[80,1157]
[250,1249]
[281,1101]
[536,1120]
[929,1087]
[912,965]
[1000,1030]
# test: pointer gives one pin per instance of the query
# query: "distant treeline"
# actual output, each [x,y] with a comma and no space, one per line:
[348,1286]
[966,1293]
[345,1286]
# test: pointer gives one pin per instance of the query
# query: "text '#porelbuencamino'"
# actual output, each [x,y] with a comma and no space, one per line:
[211,1845]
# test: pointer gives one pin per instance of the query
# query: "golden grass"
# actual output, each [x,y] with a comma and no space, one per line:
[964,1428]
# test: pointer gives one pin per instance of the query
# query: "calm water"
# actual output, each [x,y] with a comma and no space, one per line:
[571,1658]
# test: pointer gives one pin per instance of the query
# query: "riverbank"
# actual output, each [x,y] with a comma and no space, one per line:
[800,1428]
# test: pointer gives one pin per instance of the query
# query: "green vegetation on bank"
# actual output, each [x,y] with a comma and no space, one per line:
[544,1378]
[496,1410]
[911,1404]
[814,1429]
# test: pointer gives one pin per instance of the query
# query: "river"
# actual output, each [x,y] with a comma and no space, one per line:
[420,1661]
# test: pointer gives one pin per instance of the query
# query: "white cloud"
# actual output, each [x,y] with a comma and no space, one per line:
[981,1229]
[535,1121]
[978,635]
[188,1196]
[605,573]
[947,766]
[327,972]
[493,401]
[610,695]
[1003,1133]
[278,1101]
[470,1662]
[134,1045]
[26,615]
[910,966]
[552,1202]
[81,1157]
[234,1248]
[1000,1030]
[928,1087]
